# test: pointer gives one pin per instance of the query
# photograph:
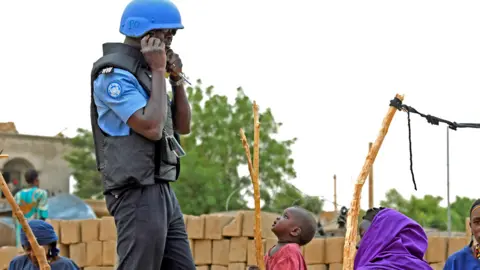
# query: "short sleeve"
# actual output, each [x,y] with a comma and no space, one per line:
[119,92]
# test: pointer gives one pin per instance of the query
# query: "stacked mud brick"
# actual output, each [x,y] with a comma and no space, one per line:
[440,248]
[218,242]
[225,242]
[6,255]
[90,243]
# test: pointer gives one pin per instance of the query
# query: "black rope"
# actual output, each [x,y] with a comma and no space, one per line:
[410,147]
[397,103]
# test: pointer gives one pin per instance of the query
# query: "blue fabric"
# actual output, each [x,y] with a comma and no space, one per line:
[24,263]
[142,16]
[42,230]
[117,96]
[66,206]
[462,260]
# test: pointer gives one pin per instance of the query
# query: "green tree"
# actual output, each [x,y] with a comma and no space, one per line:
[210,174]
[289,195]
[427,210]
[82,160]
[210,171]
[460,211]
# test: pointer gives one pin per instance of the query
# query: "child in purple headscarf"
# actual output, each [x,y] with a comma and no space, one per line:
[47,238]
[390,240]
[469,256]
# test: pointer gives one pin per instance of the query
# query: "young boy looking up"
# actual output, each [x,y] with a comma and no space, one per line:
[295,228]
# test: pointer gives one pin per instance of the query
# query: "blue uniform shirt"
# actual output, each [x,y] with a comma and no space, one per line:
[117,95]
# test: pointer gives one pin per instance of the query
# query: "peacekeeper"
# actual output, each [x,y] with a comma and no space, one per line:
[135,127]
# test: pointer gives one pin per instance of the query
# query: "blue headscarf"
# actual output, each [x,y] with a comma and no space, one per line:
[44,233]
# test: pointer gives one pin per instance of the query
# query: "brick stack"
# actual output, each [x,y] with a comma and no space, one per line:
[440,248]
[221,242]
[218,242]
[6,255]
[90,243]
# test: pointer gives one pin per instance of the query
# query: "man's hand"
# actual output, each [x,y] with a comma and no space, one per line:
[154,51]
[174,65]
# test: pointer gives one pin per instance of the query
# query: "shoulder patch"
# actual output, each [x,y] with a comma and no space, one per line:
[107,70]
[114,89]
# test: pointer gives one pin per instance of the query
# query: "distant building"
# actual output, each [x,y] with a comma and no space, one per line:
[42,153]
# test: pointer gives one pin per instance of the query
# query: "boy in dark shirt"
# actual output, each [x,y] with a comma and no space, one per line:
[295,228]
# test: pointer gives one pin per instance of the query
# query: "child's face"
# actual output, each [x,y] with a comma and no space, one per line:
[285,225]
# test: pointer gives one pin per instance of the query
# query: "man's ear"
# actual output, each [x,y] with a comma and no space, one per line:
[296,232]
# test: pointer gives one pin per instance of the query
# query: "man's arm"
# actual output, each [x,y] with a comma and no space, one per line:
[150,121]
[182,114]
[180,106]
[118,91]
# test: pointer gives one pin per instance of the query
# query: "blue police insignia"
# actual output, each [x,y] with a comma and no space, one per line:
[114,90]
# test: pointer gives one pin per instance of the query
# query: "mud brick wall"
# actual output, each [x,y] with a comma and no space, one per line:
[217,241]
[90,243]
[222,242]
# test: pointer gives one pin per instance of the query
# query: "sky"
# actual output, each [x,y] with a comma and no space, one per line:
[327,69]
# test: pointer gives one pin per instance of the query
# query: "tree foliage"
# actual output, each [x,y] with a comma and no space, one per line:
[210,172]
[427,210]
[82,160]
[210,179]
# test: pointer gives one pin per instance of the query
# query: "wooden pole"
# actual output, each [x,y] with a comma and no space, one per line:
[254,170]
[370,181]
[352,219]
[335,192]
[38,251]
[256,187]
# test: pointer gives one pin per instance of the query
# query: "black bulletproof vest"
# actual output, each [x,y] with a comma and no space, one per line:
[130,160]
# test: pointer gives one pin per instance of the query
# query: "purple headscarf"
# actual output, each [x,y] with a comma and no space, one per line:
[393,241]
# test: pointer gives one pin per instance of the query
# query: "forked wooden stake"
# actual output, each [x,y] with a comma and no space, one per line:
[37,250]
[256,187]
[352,219]
[254,170]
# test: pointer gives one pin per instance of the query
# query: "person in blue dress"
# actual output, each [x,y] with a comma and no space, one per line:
[47,238]
[468,258]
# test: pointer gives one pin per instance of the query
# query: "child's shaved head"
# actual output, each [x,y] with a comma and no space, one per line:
[295,225]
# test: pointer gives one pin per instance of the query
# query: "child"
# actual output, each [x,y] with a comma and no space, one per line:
[47,238]
[295,228]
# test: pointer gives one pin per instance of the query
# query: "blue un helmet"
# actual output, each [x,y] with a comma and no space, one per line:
[142,16]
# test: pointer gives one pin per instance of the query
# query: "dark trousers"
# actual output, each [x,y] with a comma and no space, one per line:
[150,227]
